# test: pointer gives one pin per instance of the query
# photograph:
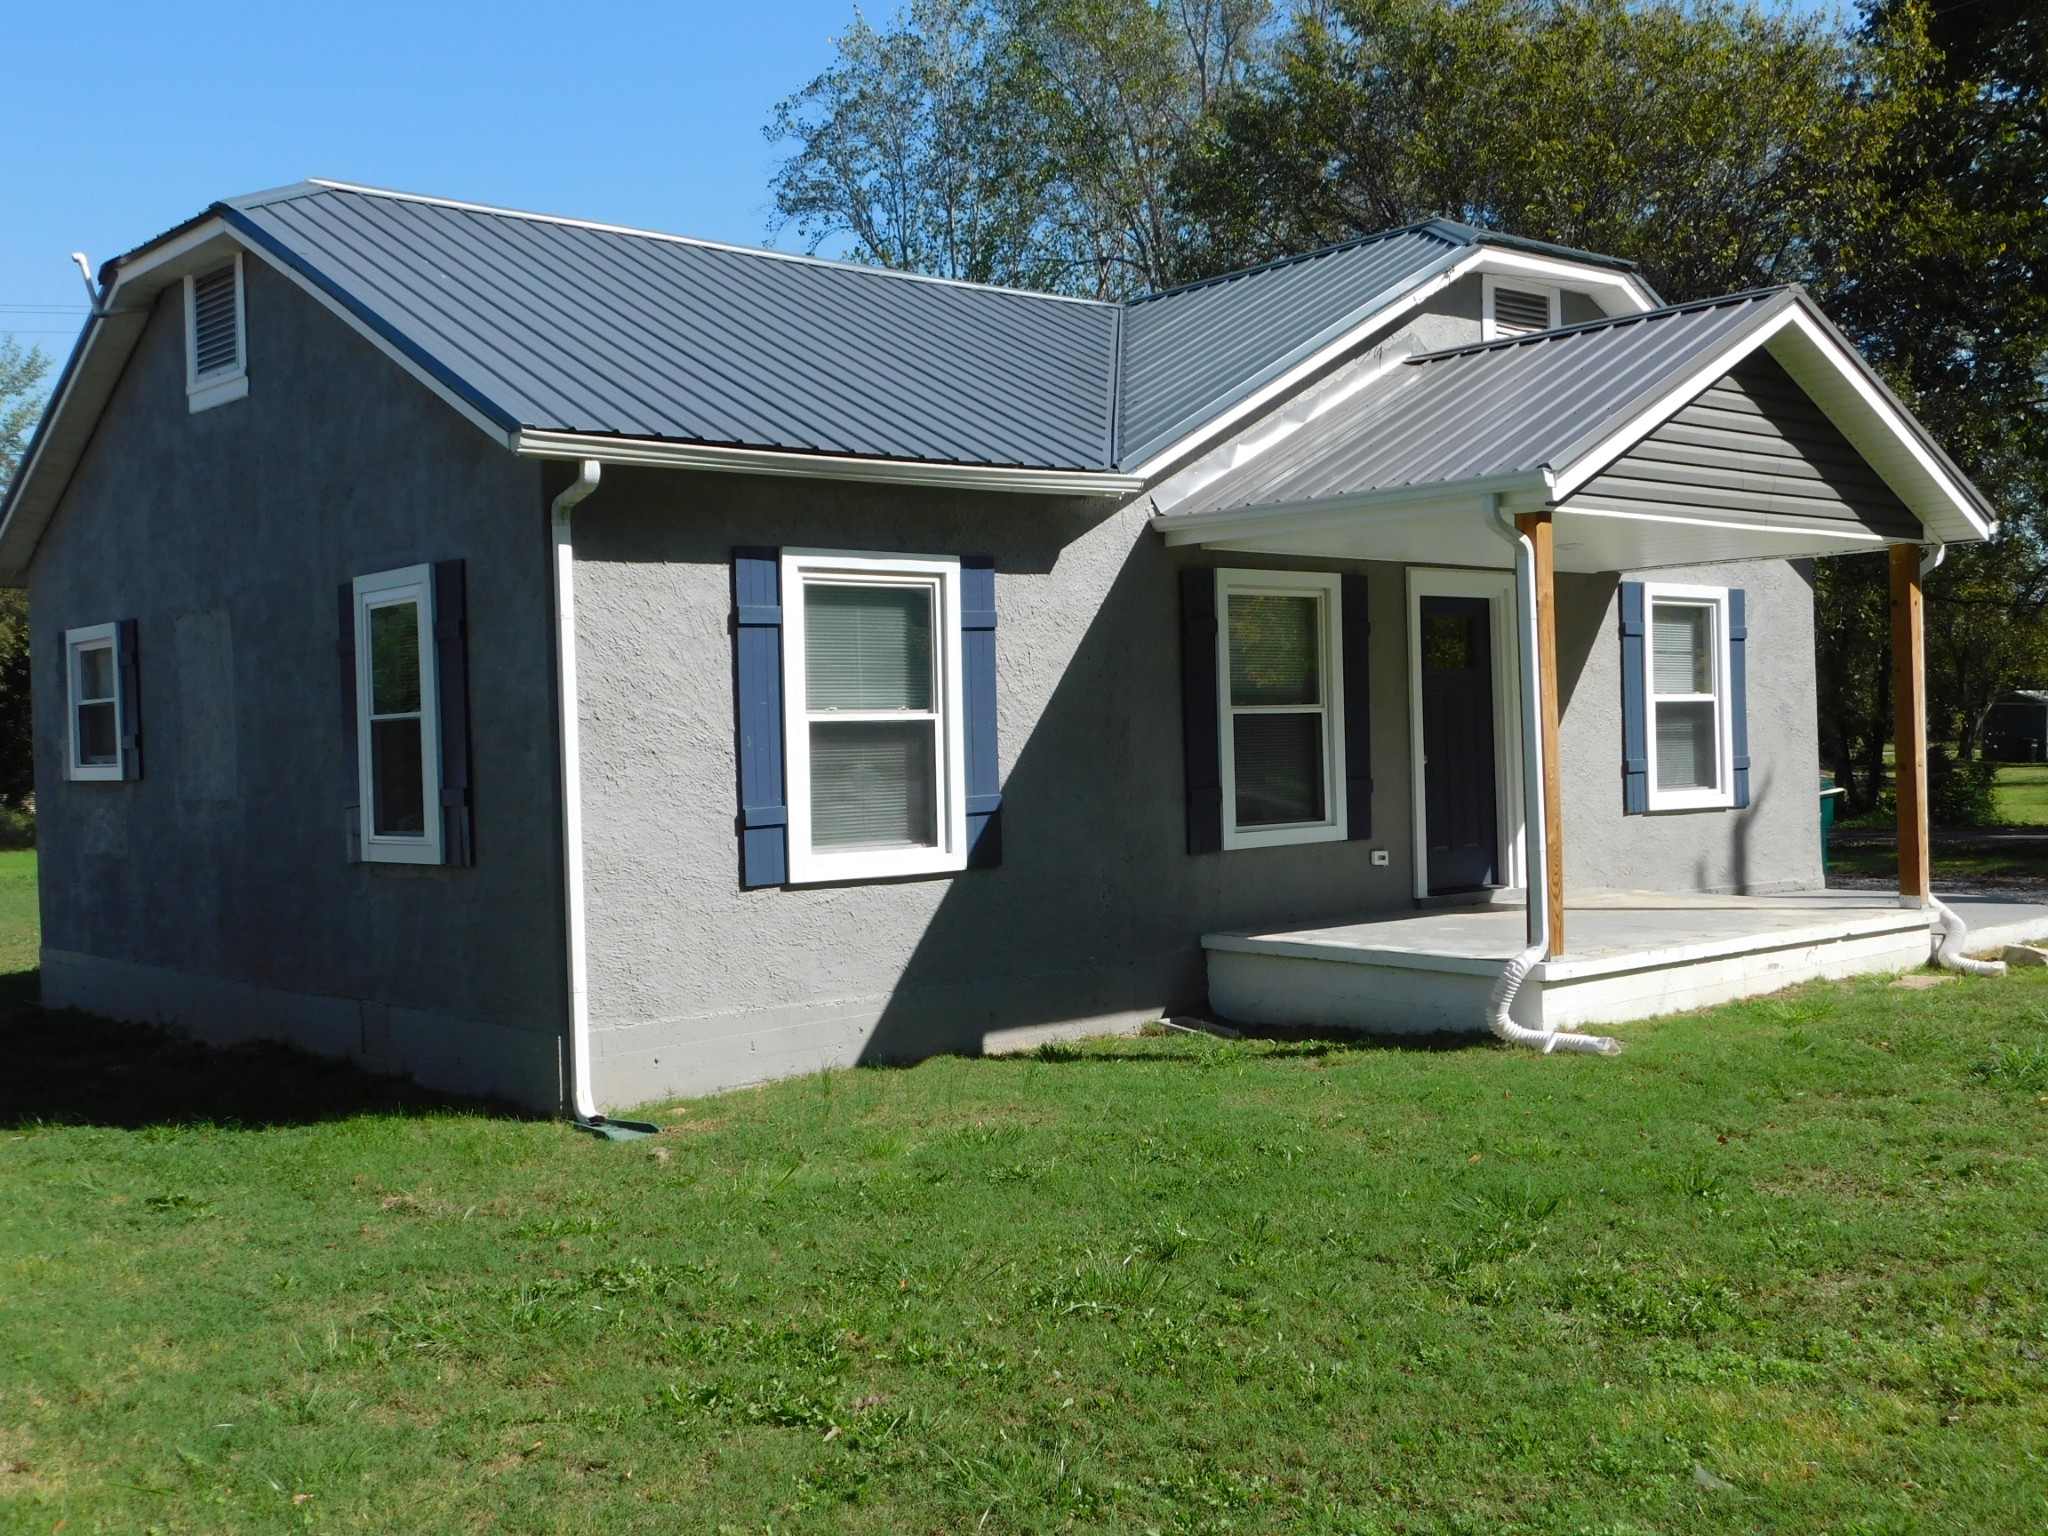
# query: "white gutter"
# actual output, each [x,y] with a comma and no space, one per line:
[1533,827]
[582,1102]
[533,443]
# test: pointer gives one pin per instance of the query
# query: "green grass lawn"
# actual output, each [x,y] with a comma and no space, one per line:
[1779,1267]
[2020,794]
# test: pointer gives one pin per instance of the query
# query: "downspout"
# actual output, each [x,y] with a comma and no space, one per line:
[1955,933]
[1537,872]
[582,1099]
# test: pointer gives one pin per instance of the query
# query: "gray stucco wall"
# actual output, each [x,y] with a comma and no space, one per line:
[1774,844]
[215,892]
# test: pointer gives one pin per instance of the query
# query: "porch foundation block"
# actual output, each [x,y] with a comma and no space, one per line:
[1387,978]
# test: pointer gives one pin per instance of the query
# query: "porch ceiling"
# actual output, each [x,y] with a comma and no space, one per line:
[1742,428]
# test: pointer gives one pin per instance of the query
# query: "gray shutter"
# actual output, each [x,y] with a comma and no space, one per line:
[978,690]
[757,688]
[451,679]
[128,679]
[1635,737]
[1357,711]
[345,649]
[1201,746]
[1738,689]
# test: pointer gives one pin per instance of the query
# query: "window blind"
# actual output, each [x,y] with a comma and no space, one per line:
[867,648]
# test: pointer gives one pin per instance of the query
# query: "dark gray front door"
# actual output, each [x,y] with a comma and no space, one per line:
[1457,744]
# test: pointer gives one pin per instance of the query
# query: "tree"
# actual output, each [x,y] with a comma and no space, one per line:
[1031,142]
[1719,146]
[21,398]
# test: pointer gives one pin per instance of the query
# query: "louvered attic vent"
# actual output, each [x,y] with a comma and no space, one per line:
[216,328]
[1519,311]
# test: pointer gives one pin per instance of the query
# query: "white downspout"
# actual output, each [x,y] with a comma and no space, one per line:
[582,1102]
[1955,933]
[1537,872]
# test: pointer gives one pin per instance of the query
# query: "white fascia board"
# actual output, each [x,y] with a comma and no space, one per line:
[655,453]
[1621,293]
[1526,491]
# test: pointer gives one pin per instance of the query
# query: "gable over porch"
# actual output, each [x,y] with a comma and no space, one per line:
[1737,429]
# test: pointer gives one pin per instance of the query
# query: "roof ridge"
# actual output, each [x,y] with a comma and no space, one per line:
[316,184]
[1608,322]
[1418,227]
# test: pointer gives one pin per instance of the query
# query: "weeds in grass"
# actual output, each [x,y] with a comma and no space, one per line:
[2023,1067]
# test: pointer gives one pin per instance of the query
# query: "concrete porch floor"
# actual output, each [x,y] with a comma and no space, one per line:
[1629,955]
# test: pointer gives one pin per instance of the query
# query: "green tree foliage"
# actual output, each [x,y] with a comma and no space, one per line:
[1032,142]
[22,371]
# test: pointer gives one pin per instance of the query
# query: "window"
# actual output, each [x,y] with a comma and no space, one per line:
[871,690]
[1690,747]
[1518,308]
[398,731]
[92,660]
[1280,702]
[216,361]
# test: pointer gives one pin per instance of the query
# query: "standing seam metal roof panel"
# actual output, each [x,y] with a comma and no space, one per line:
[1188,350]
[1499,409]
[573,328]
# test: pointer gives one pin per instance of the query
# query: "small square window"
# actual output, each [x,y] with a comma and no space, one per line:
[398,735]
[871,663]
[1280,706]
[93,683]
[1687,697]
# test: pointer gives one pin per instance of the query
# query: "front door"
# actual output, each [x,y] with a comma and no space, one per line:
[1458,796]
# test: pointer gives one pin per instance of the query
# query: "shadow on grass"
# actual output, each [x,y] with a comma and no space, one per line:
[1268,1041]
[65,1068]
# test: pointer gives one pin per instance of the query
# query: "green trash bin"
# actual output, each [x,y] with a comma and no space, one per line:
[1828,796]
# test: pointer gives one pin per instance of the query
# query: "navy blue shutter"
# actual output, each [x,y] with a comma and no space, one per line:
[128,678]
[978,692]
[1738,689]
[345,649]
[757,677]
[1201,745]
[1635,735]
[1357,711]
[451,677]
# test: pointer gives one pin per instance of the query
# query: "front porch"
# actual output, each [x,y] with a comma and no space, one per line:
[1632,955]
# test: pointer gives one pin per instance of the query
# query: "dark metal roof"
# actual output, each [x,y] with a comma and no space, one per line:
[565,326]
[1188,352]
[1499,409]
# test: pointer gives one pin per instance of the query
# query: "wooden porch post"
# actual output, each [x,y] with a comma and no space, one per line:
[1909,725]
[1538,528]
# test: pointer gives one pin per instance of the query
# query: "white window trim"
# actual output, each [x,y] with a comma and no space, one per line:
[1715,598]
[1334,826]
[1490,329]
[810,866]
[90,637]
[218,388]
[1498,588]
[414,583]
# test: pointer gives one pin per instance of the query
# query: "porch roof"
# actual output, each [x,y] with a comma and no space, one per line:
[1541,419]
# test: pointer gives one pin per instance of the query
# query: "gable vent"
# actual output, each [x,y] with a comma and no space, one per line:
[1518,311]
[216,338]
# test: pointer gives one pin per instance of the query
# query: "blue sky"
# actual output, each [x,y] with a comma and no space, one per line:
[123,119]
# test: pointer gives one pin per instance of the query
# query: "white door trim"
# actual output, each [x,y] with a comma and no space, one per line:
[1498,588]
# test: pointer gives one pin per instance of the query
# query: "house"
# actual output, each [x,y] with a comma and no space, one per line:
[587,665]
[2016,728]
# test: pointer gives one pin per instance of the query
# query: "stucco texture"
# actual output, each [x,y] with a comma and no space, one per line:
[225,535]
[1773,844]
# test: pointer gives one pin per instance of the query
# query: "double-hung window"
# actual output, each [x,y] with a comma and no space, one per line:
[1280,705]
[398,735]
[94,685]
[872,700]
[1690,742]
